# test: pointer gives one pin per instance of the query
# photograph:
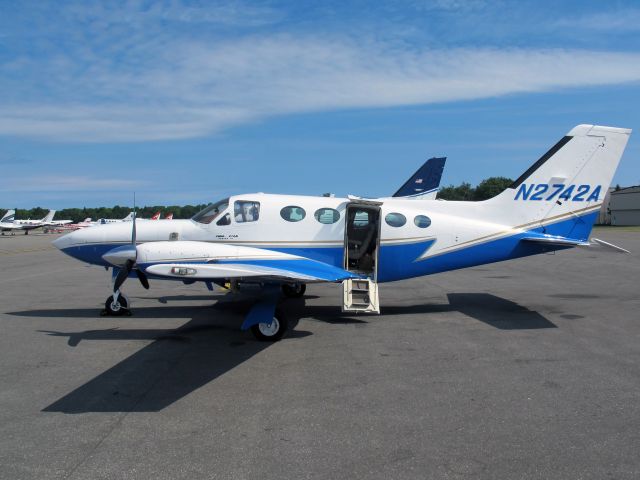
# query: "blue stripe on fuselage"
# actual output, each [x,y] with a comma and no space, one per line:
[505,248]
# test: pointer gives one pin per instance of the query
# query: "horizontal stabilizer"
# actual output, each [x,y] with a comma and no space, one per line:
[557,241]
[572,242]
[602,243]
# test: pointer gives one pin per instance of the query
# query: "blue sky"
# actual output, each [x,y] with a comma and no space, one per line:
[186,102]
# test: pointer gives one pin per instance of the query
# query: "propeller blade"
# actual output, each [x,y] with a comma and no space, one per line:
[143,278]
[122,275]
[133,228]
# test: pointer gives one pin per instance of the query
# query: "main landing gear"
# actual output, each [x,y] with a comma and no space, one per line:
[295,290]
[271,331]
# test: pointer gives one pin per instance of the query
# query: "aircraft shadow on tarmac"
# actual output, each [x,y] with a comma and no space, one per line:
[179,361]
[176,362]
[495,311]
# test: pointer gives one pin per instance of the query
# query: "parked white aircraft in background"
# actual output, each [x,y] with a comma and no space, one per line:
[73,226]
[103,221]
[283,242]
[55,223]
[9,223]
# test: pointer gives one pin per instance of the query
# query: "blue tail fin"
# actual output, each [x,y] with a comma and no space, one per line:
[425,181]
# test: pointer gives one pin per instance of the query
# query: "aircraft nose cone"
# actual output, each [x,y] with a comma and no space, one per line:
[64,241]
[118,256]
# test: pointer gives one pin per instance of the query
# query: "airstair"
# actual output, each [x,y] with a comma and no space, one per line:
[360,295]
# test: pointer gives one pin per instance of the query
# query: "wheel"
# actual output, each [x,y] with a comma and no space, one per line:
[294,291]
[271,332]
[116,309]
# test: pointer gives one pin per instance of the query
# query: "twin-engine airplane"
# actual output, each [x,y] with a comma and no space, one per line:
[8,223]
[283,242]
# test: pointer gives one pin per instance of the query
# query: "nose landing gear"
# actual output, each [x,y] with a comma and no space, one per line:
[116,305]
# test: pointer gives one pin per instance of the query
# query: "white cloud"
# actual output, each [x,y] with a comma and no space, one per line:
[183,89]
[618,21]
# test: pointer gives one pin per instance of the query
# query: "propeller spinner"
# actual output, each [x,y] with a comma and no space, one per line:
[124,258]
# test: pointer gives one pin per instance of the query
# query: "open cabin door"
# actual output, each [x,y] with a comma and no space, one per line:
[361,249]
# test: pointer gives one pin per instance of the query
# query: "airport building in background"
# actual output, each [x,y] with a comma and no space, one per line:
[623,206]
[604,216]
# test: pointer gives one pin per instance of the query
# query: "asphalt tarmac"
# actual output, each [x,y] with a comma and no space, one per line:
[517,370]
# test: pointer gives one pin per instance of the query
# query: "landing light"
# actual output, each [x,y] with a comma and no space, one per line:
[183,271]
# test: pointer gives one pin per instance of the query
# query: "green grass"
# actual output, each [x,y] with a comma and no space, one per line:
[614,228]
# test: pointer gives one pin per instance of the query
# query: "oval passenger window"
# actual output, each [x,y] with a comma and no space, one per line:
[293,213]
[422,221]
[395,219]
[327,215]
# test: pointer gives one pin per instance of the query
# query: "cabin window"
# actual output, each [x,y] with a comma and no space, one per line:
[327,215]
[293,213]
[210,213]
[246,211]
[225,220]
[395,219]
[422,221]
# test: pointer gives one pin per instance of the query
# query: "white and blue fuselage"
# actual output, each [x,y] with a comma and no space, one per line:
[435,236]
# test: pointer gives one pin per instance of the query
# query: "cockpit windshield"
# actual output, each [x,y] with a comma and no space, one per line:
[210,213]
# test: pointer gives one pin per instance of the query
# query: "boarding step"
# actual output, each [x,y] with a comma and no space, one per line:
[360,295]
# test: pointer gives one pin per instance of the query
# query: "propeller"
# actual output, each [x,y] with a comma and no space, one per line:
[128,253]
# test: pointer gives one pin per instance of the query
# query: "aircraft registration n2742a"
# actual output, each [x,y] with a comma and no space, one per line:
[282,242]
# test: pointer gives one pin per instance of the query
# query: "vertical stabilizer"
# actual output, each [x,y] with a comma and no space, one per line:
[49,216]
[563,191]
[424,183]
[8,217]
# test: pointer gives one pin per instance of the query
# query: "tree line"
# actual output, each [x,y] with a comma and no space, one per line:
[487,188]
[117,211]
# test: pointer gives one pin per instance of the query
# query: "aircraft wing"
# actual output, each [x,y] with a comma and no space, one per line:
[241,271]
[193,260]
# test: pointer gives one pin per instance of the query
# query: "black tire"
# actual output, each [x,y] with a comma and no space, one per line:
[267,333]
[294,291]
[116,310]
